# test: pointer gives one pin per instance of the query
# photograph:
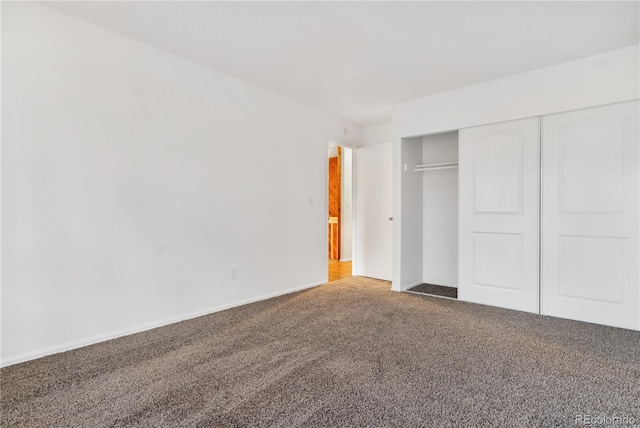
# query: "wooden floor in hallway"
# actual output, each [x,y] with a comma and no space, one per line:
[339,270]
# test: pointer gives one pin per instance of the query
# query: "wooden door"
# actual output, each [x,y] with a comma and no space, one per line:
[499,179]
[591,216]
[335,183]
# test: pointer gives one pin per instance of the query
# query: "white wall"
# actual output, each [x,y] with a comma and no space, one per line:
[601,79]
[607,78]
[133,181]
[346,205]
[377,134]
[440,211]
[411,232]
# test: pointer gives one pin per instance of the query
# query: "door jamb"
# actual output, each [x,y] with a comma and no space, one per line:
[353,146]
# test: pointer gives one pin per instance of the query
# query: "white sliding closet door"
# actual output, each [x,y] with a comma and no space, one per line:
[499,179]
[591,217]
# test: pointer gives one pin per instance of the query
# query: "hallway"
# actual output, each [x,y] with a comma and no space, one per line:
[339,270]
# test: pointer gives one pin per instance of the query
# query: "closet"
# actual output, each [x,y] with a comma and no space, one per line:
[539,214]
[434,169]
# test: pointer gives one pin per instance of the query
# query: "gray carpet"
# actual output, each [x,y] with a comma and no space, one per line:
[350,353]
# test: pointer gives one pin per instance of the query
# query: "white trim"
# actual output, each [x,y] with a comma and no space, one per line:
[403,289]
[345,260]
[406,287]
[144,327]
[354,211]
[353,146]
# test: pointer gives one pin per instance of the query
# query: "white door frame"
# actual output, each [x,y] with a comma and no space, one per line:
[353,146]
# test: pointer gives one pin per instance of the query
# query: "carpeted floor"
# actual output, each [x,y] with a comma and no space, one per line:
[350,353]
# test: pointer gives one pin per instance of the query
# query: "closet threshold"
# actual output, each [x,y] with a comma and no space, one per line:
[435,291]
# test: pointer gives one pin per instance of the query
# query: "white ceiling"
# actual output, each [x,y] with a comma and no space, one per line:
[356,59]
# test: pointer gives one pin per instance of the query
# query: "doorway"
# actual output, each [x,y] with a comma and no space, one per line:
[340,211]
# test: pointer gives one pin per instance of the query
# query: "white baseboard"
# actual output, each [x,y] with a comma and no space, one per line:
[406,287]
[345,260]
[143,327]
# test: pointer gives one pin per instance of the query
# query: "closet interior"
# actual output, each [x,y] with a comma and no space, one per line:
[434,166]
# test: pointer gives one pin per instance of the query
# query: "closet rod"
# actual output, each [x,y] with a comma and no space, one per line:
[435,167]
[431,166]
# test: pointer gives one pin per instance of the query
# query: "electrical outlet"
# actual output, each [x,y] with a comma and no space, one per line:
[234,273]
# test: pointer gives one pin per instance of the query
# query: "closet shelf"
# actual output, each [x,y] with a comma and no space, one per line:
[433,166]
